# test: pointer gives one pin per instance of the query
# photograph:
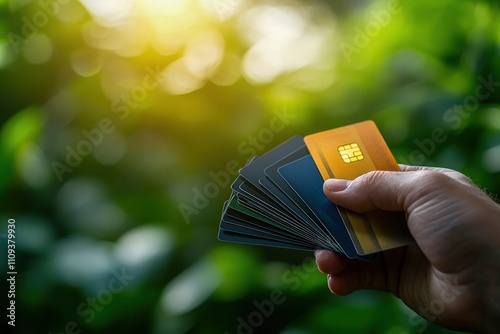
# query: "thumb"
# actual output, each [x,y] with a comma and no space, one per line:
[391,191]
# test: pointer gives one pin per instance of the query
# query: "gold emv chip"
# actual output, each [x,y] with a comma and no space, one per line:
[351,153]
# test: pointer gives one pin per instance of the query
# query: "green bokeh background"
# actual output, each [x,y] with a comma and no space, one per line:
[227,68]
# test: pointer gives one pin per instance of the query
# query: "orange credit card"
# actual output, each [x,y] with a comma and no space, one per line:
[346,153]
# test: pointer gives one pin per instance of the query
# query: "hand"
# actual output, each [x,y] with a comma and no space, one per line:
[451,275]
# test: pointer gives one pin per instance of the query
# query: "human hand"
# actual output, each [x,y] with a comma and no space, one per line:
[451,275]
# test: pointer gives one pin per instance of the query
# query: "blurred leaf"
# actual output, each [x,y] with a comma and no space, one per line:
[238,268]
[23,127]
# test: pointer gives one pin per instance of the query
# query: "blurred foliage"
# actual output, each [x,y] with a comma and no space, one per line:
[116,112]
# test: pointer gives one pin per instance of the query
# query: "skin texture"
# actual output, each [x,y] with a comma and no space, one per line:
[451,274]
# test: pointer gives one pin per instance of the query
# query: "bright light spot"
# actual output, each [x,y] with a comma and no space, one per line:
[190,288]
[167,43]
[126,40]
[111,150]
[38,49]
[172,24]
[33,166]
[277,23]
[167,7]
[178,79]
[281,42]
[281,38]
[85,62]
[110,38]
[143,246]
[228,71]
[108,13]
[262,63]
[80,261]
[222,9]
[491,159]
[306,49]
[267,59]
[203,53]
[135,40]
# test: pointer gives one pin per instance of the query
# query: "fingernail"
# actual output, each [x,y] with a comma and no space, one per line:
[335,185]
[317,253]
[330,278]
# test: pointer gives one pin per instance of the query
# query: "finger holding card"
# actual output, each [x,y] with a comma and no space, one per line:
[278,199]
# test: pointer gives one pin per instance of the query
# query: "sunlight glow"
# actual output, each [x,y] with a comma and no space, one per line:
[228,72]
[280,42]
[203,53]
[178,79]
[280,23]
[273,40]
[108,13]
[222,9]
[168,7]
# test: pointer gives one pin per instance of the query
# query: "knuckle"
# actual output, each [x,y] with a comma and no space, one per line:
[455,175]
[428,185]
[433,179]
[372,179]
[462,178]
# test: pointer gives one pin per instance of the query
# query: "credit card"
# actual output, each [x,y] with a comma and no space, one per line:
[302,175]
[278,198]
[346,153]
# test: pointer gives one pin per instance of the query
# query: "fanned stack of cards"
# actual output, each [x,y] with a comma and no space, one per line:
[278,200]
